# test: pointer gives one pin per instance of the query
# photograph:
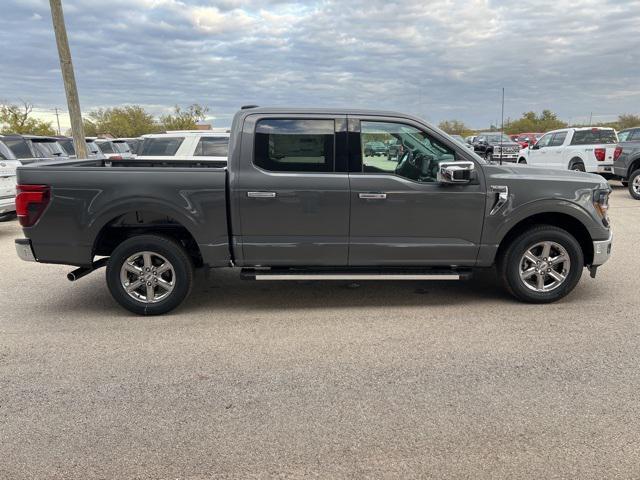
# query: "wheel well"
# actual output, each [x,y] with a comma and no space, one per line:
[633,167]
[575,160]
[143,222]
[560,220]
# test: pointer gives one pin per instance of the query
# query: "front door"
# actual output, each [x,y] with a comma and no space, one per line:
[538,154]
[293,198]
[400,215]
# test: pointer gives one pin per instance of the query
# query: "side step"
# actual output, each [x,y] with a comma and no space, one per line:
[355,274]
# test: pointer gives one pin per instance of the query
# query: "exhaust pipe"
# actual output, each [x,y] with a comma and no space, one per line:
[78,273]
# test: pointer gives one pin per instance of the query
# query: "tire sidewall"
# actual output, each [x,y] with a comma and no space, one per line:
[525,241]
[632,177]
[169,249]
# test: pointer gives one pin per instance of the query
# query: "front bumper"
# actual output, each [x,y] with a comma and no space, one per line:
[24,250]
[602,251]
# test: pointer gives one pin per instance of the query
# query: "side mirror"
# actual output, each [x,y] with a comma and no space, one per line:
[535,147]
[455,172]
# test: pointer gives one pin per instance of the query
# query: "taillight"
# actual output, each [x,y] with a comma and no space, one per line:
[600,154]
[115,157]
[31,200]
[616,153]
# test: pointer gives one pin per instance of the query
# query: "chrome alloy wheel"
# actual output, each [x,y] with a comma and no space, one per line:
[147,277]
[636,185]
[544,266]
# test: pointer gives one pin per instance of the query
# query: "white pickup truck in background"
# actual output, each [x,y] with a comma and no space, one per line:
[186,145]
[586,149]
[8,165]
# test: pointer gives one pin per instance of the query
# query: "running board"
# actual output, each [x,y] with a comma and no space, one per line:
[293,274]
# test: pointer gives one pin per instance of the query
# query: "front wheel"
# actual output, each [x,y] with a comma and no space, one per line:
[149,274]
[634,184]
[541,265]
[522,161]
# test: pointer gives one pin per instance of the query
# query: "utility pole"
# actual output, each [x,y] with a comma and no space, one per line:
[58,120]
[590,117]
[68,78]
[501,125]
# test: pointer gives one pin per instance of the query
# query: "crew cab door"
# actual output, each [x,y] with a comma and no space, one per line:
[554,151]
[538,152]
[400,215]
[292,191]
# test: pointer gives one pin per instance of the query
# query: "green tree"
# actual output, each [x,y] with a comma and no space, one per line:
[126,121]
[18,119]
[184,119]
[627,120]
[532,122]
[455,127]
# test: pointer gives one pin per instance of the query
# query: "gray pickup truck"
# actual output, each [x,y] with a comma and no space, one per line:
[626,165]
[299,199]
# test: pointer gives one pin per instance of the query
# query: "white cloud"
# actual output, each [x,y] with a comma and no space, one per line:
[433,58]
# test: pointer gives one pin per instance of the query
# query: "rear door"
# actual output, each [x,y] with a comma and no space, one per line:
[400,215]
[293,191]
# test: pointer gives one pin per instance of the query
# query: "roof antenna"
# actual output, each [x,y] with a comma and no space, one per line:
[502,128]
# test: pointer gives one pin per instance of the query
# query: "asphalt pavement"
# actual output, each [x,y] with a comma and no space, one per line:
[322,380]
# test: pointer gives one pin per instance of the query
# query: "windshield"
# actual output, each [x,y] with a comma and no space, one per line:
[68,146]
[5,153]
[121,147]
[48,149]
[497,138]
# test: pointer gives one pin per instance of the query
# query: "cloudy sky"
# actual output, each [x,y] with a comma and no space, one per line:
[439,59]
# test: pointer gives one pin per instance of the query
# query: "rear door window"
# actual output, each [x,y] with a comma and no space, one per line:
[212,147]
[295,145]
[161,146]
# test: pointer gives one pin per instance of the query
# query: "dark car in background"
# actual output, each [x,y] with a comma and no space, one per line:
[114,149]
[32,148]
[626,164]
[134,144]
[496,146]
[372,149]
[93,151]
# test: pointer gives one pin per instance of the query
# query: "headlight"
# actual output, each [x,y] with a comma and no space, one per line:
[601,204]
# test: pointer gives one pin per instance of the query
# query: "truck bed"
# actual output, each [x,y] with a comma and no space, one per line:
[90,196]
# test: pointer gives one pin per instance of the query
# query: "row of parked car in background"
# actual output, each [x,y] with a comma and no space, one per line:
[614,155]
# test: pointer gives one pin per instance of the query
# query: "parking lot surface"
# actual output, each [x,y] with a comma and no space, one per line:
[328,380]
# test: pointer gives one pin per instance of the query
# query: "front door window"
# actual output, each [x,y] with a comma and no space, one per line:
[403,150]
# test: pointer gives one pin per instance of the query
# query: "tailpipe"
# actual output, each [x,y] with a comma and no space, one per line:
[78,273]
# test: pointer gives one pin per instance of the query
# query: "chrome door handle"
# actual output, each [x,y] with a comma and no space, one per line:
[261,194]
[373,196]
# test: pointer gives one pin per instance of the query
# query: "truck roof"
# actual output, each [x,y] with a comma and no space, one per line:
[325,111]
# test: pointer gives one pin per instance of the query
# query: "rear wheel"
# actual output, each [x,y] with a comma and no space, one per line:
[149,274]
[5,217]
[541,265]
[577,166]
[634,184]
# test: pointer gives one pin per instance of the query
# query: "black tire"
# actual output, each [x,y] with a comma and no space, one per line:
[510,259]
[577,166]
[5,217]
[624,183]
[522,161]
[634,184]
[182,273]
